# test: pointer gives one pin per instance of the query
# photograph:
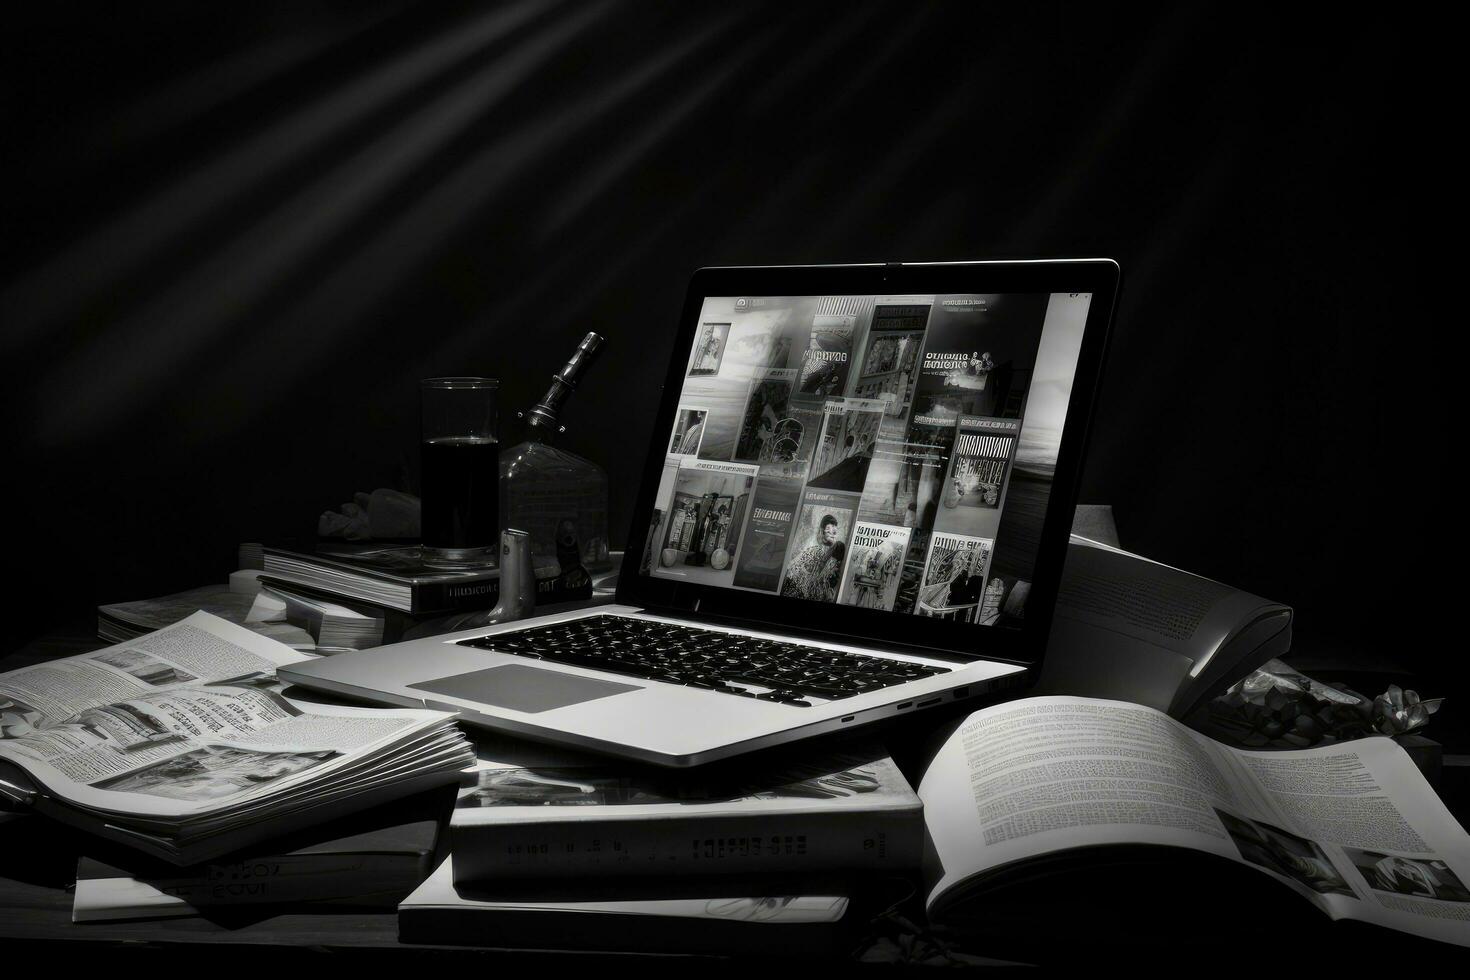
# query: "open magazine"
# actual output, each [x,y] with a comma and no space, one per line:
[182,744]
[1353,827]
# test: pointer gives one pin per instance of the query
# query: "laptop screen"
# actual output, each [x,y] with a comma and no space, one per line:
[893,453]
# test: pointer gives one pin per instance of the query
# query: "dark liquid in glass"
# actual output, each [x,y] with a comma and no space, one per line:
[461,499]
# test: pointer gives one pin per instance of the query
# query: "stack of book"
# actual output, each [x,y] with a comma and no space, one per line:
[769,852]
[1104,814]
[331,596]
[395,577]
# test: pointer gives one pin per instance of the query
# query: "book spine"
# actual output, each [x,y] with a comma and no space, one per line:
[446,597]
[730,844]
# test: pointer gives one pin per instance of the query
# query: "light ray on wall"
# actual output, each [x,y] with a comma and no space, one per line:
[56,291]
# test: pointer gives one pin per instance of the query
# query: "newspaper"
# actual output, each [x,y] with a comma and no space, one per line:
[185,732]
[1353,826]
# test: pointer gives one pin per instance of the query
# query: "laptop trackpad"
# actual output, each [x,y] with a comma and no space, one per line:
[528,689]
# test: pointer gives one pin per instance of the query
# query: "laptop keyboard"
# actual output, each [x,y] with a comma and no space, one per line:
[744,666]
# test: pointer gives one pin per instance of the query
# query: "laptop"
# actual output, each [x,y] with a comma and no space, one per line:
[855,507]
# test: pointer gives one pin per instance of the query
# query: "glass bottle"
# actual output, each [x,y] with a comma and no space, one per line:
[555,495]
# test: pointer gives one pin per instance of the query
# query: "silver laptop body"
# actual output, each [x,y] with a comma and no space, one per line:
[876,464]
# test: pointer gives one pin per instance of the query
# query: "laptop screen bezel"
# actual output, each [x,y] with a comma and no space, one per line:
[1024,645]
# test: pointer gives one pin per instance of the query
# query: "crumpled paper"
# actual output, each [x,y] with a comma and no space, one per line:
[382,514]
[1282,707]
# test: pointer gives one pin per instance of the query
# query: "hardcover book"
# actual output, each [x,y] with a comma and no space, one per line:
[667,916]
[397,577]
[844,811]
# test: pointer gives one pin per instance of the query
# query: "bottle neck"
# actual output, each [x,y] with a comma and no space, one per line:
[543,421]
[540,429]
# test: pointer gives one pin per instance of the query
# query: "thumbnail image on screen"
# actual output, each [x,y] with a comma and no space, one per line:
[887,452]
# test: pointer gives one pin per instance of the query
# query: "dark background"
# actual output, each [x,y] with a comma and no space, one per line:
[236,234]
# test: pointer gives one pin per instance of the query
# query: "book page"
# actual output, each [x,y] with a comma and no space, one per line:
[1045,774]
[183,722]
[195,751]
[201,649]
[1357,824]
[1352,827]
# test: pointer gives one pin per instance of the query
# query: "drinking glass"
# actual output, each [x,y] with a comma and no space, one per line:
[459,455]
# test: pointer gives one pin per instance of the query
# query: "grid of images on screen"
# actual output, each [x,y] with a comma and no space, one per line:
[893,453]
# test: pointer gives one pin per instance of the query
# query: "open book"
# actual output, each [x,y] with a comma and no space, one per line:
[1024,788]
[181,743]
